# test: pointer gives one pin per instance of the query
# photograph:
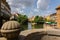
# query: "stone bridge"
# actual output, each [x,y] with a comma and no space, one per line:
[39,34]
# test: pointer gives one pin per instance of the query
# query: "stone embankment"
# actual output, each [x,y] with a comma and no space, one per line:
[39,34]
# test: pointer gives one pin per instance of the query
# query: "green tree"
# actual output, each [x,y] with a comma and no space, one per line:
[22,19]
[38,19]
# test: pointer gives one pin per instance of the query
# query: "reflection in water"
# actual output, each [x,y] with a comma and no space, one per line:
[35,26]
[29,26]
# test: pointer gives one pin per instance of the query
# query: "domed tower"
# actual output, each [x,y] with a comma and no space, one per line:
[58,16]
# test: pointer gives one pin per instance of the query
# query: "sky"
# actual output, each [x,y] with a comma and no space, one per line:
[34,7]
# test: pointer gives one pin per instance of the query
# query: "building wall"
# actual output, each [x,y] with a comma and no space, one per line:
[51,17]
[58,18]
[48,17]
[5,11]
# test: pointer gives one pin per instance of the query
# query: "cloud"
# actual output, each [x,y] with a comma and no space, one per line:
[43,4]
[20,4]
[24,6]
[36,10]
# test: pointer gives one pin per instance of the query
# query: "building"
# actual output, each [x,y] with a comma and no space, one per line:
[58,16]
[51,17]
[48,17]
[14,16]
[55,17]
[5,12]
[31,19]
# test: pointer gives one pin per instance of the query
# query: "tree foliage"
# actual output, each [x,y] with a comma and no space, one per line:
[38,19]
[22,19]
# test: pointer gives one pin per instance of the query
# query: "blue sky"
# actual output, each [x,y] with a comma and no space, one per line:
[34,7]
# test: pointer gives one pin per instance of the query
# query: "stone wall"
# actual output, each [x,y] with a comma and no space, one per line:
[41,34]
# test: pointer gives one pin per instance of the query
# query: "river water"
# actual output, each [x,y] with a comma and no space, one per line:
[35,26]
[30,26]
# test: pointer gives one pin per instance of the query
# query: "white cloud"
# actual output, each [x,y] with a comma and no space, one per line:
[42,4]
[20,4]
[19,11]
[36,10]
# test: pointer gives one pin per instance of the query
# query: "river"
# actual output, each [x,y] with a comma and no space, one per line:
[30,26]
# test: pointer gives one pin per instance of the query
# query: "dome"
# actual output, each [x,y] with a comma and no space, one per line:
[10,25]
